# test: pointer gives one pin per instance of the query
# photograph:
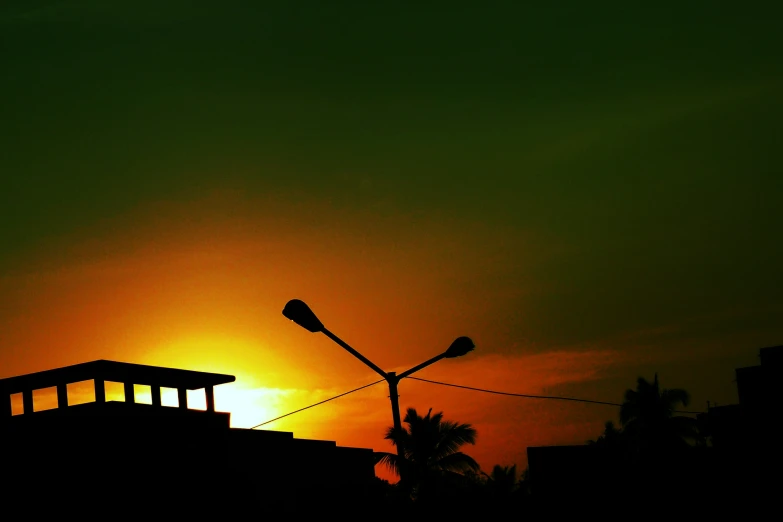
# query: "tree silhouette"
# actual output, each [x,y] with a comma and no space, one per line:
[647,416]
[610,438]
[656,444]
[502,481]
[432,456]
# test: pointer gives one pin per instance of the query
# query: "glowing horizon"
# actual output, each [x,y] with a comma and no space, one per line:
[588,209]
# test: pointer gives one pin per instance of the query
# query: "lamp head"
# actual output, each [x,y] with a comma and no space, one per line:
[297,311]
[461,346]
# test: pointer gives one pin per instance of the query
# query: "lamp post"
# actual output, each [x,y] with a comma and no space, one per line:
[298,311]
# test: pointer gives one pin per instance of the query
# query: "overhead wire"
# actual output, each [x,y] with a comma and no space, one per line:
[317,404]
[484,390]
[527,396]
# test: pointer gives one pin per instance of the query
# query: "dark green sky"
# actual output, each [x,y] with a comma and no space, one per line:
[628,156]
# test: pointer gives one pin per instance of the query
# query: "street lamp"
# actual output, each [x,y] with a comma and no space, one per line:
[298,311]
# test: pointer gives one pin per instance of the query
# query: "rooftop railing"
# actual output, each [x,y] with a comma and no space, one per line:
[102,371]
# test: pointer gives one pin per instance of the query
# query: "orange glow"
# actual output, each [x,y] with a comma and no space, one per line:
[175,292]
[81,392]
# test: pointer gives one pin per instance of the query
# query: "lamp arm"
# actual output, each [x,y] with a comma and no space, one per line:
[422,365]
[353,352]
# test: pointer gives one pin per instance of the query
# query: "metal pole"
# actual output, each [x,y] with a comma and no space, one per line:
[392,379]
[422,365]
[353,352]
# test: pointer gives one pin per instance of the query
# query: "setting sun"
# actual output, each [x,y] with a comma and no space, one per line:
[247,399]
[587,208]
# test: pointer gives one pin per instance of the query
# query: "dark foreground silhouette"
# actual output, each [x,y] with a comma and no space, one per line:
[658,464]
[123,459]
[116,458]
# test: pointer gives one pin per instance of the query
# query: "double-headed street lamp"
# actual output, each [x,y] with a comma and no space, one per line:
[300,313]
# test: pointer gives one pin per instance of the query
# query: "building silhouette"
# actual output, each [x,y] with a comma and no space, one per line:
[746,436]
[738,470]
[755,417]
[151,456]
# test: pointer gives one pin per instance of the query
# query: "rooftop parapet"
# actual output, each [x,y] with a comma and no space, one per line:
[101,371]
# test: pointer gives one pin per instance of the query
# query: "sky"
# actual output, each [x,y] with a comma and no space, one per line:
[589,190]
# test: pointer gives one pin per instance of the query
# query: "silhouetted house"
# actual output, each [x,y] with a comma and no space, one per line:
[154,455]
[746,436]
[724,425]
[740,469]
[759,387]
[754,420]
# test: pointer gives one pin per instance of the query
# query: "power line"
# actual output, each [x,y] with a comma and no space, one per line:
[523,395]
[317,404]
[530,396]
[515,394]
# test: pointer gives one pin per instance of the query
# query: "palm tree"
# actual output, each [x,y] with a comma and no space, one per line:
[647,416]
[502,482]
[432,453]
[658,457]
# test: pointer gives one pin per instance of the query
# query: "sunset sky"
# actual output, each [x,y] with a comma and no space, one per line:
[590,190]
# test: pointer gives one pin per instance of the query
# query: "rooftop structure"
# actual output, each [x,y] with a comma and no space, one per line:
[156,377]
[757,386]
[134,442]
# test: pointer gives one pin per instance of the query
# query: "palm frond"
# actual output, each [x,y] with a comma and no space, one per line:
[410,415]
[452,436]
[458,462]
[396,436]
[390,460]
[431,447]
[647,416]
[504,473]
